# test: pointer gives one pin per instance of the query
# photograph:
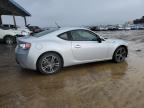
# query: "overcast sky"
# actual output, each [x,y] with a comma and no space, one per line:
[81,12]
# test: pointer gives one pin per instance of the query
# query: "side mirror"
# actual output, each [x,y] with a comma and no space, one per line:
[99,40]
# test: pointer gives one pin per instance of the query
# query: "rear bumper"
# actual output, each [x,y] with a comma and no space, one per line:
[23,59]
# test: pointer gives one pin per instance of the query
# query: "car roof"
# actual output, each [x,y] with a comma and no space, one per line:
[71,28]
[58,31]
[66,29]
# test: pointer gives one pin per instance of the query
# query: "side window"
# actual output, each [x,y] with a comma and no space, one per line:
[5,27]
[83,35]
[12,26]
[64,36]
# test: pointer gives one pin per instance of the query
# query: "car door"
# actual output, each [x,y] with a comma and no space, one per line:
[3,31]
[86,47]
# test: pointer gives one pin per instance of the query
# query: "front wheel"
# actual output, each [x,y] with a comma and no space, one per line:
[120,54]
[49,63]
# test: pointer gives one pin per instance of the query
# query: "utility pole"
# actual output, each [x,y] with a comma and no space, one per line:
[25,21]
[0,19]
[14,20]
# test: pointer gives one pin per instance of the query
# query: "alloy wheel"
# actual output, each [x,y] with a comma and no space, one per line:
[120,54]
[9,41]
[50,64]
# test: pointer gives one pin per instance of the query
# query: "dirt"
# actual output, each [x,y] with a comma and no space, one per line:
[94,85]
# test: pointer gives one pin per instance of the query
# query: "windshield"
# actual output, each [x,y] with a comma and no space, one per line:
[45,32]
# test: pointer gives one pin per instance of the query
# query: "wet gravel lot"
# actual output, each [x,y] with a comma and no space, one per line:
[94,85]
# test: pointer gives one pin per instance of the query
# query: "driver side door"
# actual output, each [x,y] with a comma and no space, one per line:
[86,47]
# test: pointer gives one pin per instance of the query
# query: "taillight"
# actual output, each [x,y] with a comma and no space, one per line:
[25,45]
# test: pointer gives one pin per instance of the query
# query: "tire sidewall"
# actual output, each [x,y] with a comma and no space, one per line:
[39,68]
[114,56]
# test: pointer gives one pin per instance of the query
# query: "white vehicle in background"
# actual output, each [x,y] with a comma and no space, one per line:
[9,33]
[127,28]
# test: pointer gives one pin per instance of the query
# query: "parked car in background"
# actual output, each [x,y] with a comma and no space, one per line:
[9,33]
[34,29]
[94,28]
[49,51]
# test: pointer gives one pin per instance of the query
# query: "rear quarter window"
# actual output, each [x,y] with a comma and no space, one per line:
[63,36]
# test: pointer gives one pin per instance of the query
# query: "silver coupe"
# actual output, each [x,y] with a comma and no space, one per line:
[50,50]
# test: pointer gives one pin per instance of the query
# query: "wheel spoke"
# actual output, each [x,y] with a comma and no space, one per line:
[117,55]
[45,67]
[45,61]
[120,50]
[52,59]
[51,69]
[56,64]
[124,53]
[119,58]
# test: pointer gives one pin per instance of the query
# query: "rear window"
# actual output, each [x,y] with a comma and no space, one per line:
[45,32]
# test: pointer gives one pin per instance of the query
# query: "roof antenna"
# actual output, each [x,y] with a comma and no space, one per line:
[57,25]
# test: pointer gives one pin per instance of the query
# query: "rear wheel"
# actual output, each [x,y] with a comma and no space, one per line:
[10,40]
[49,63]
[120,54]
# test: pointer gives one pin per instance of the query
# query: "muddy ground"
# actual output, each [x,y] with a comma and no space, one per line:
[95,85]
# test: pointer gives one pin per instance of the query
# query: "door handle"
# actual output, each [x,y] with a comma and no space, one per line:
[77,46]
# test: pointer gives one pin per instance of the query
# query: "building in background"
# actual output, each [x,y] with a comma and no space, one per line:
[139,21]
[10,7]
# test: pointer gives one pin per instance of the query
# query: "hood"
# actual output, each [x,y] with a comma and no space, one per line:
[116,41]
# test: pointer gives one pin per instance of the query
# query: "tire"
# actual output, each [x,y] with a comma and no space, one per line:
[9,40]
[49,63]
[120,54]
